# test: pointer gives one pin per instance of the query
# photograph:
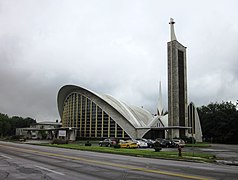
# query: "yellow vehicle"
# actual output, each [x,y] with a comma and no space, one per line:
[128,144]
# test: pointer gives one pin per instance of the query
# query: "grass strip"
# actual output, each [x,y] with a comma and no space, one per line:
[139,152]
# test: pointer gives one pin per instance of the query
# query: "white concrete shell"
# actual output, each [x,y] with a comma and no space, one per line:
[134,120]
[198,129]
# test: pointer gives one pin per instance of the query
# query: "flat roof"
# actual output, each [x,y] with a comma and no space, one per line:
[47,129]
[171,127]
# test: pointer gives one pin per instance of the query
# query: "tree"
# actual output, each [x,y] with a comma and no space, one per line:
[8,125]
[219,122]
[3,126]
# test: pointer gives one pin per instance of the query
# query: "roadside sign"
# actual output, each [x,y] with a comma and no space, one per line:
[62,133]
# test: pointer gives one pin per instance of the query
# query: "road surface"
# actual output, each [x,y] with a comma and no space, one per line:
[24,161]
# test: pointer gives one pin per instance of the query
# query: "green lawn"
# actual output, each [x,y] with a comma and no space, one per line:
[139,152]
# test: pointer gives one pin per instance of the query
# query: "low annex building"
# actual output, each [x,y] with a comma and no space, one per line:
[40,130]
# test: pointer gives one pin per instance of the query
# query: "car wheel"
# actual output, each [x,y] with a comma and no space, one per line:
[100,145]
[109,145]
[128,146]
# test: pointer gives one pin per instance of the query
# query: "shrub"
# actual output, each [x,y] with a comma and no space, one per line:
[88,143]
[117,146]
[157,146]
[189,140]
[17,137]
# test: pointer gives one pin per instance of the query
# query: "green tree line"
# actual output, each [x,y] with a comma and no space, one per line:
[8,125]
[219,122]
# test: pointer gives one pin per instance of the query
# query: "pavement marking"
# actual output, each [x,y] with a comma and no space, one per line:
[50,170]
[6,157]
[110,164]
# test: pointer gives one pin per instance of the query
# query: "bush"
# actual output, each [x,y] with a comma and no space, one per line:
[157,149]
[192,140]
[88,143]
[17,137]
[157,146]
[117,146]
[189,140]
[59,141]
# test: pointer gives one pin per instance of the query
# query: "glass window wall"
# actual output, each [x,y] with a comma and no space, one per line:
[90,119]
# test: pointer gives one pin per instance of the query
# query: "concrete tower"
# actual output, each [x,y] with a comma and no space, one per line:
[177,87]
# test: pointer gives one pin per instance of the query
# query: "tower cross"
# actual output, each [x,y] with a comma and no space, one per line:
[172,33]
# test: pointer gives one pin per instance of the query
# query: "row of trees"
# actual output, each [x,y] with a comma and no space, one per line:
[8,125]
[219,122]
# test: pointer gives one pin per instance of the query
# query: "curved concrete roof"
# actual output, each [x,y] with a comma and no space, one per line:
[135,121]
[136,116]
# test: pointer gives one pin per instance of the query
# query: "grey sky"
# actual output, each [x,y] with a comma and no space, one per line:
[113,47]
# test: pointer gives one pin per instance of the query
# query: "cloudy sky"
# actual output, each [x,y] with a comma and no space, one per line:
[113,47]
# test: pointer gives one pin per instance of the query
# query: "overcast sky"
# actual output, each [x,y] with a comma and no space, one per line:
[113,47]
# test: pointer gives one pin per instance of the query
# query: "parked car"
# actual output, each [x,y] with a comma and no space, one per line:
[167,143]
[107,142]
[141,143]
[34,136]
[150,142]
[179,142]
[128,144]
[158,139]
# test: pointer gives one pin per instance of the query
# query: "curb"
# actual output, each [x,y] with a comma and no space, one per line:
[231,163]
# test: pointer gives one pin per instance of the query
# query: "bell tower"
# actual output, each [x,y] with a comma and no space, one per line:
[177,87]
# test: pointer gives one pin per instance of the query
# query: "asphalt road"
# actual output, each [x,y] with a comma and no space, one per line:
[24,161]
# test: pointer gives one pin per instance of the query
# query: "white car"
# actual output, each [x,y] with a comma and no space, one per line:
[179,142]
[150,142]
[141,144]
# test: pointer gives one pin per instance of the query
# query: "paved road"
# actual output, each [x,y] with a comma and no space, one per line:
[225,153]
[23,161]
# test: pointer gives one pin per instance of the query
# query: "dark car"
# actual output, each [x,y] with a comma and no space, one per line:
[150,143]
[166,143]
[107,142]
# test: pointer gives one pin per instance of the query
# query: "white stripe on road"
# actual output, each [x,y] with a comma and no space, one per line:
[6,157]
[50,170]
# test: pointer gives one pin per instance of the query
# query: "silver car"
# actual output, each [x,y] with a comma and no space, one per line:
[179,142]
